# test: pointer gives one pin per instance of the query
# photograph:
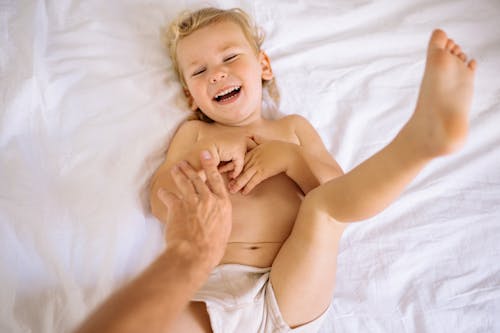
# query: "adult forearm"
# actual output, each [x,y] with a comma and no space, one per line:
[152,301]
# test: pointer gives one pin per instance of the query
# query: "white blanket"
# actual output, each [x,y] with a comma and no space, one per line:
[89,103]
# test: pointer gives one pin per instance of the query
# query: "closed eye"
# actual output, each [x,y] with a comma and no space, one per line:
[198,72]
[231,57]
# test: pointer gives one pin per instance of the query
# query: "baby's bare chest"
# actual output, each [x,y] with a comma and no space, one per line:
[270,130]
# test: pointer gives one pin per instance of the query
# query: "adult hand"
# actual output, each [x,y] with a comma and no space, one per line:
[199,219]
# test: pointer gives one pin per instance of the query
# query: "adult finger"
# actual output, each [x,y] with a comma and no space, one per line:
[195,179]
[186,188]
[171,201]
[214,178]
[168,198]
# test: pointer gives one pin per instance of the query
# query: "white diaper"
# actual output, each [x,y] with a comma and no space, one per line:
[241,299]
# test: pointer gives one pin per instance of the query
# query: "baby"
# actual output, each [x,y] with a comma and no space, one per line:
[291,200]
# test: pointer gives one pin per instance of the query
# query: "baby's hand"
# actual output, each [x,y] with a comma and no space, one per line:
[231,153]
[268,159]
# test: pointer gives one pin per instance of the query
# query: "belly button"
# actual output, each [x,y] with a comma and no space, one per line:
[254,247]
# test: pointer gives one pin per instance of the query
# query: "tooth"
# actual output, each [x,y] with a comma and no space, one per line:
[227,91]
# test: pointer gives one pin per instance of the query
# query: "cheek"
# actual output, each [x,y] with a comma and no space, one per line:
[195,90]
[256,80]
[252,75]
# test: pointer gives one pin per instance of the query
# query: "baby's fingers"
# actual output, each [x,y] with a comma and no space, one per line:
[226,167]
[238,167]
[256,180]
[238,183]
[259,139]
[251,144]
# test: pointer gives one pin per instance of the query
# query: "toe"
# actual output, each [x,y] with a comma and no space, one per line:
[462,57]
[450,44]
[472,64]
[438,39]
[456,50]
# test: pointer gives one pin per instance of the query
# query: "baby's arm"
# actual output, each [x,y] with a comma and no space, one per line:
[308,163]
[314,165]
[183,146]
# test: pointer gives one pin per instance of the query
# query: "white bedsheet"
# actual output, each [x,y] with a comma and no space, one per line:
[89,103]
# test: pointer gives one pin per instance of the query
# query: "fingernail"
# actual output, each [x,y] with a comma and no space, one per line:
[205,154]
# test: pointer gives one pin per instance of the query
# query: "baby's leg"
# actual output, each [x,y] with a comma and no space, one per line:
[438,126]
[303,273]
[440,121]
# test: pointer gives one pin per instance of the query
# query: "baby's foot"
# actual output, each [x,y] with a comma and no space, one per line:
[440,122]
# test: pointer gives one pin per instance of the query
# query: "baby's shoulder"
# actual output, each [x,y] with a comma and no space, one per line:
[192,128]
[294,121]
[289,127]
[190,125]
[301,128]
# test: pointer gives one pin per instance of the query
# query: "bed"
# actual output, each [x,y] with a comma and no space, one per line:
[89,103]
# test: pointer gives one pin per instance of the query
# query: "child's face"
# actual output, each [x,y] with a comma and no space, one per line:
[223,73]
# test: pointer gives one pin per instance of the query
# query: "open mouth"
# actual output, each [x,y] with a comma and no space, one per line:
[228,95]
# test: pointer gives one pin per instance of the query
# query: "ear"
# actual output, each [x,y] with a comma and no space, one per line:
[190,100]
[265,64]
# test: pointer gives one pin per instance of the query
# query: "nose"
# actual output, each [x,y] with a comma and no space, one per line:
[217,76]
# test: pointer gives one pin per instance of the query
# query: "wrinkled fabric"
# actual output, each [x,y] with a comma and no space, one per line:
[89,103]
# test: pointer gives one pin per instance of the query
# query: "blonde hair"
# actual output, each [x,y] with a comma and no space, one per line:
[188,22]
